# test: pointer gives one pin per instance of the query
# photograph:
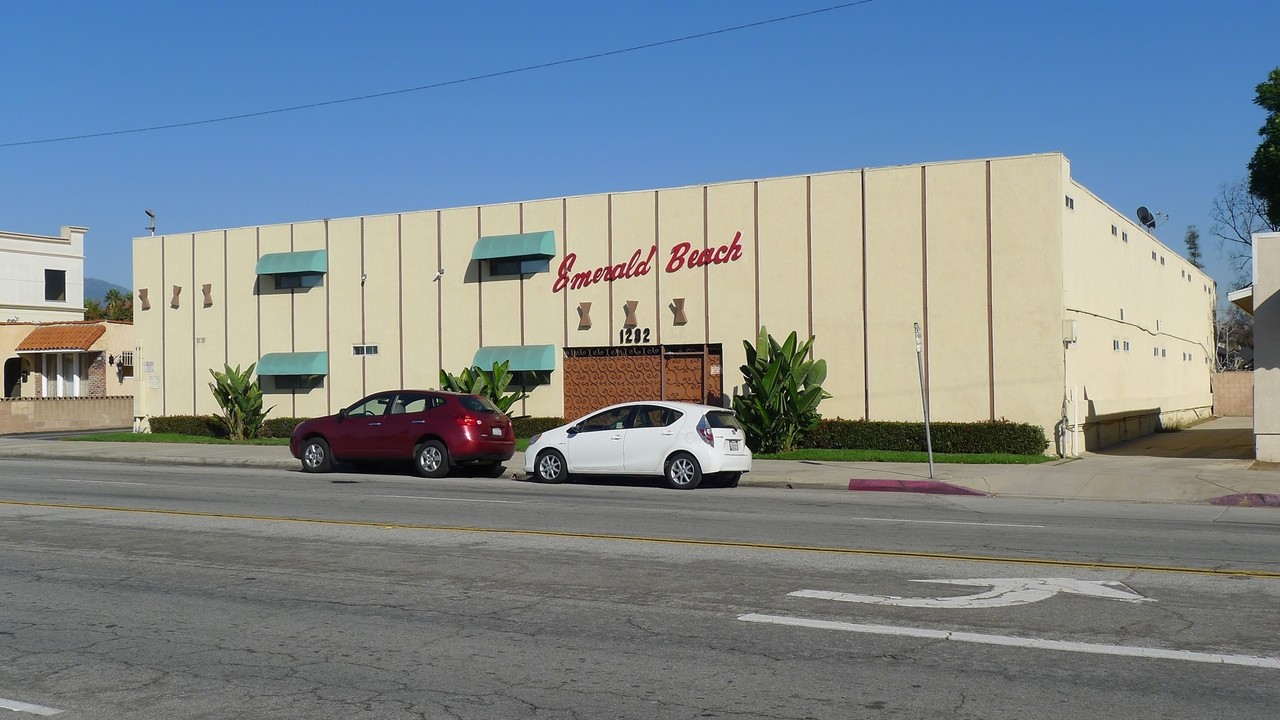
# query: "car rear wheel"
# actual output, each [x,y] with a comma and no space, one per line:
[315,456]
[550,467]
[683,472]
[431,459]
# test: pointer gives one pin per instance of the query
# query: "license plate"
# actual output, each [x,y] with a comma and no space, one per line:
[497,432]
[733,444]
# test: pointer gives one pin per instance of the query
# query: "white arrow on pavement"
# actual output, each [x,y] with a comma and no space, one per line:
[1004,592]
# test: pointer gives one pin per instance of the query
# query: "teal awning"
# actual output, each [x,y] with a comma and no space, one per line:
[307,261]
[522,357]
[303,363]
[524,245]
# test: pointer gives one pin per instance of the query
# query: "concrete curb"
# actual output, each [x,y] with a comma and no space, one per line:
[932,487]
[153,460]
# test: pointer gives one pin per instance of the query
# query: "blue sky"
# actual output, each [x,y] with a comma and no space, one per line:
[1151,102]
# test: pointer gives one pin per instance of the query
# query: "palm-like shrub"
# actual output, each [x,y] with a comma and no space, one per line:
[780,392]
[491,383]
[240,398]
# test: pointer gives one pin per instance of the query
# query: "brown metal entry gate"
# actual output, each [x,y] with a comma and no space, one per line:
[600,376]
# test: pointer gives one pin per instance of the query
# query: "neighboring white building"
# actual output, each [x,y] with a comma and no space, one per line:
[1262,301]
[41,277]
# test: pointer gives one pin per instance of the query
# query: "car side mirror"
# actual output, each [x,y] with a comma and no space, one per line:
[575,429]
[342,414]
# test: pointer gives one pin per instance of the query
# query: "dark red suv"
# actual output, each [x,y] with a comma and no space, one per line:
[435,430]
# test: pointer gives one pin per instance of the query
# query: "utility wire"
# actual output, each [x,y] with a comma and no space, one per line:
[446,83]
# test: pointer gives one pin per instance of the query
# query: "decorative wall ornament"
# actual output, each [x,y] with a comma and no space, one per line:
[677,306]
[207,289]
[142,299]
[584,316]
[177,290]
[630,320]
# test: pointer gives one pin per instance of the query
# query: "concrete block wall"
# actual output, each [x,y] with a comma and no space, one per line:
[26,415]
[1233,394]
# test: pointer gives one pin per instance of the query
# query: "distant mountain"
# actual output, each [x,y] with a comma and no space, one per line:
[95,289]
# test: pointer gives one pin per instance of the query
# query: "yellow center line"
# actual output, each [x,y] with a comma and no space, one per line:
[920,555]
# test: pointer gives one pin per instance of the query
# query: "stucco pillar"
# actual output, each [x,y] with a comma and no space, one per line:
[1266,346]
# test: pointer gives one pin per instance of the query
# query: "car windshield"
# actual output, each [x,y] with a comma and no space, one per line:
[724,420]
[476,403]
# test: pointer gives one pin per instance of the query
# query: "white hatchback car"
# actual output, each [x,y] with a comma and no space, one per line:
[682,442]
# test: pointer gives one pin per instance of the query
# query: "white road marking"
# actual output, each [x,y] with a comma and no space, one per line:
[1009,641]
[18,706]
[425,497]
[1003,593]
[945,522]
[99,482]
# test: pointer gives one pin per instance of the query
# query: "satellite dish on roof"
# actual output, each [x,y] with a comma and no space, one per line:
[1146,218]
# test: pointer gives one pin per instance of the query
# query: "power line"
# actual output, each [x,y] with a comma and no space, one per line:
[445,83]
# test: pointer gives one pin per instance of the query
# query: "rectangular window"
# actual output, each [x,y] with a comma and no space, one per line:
[1114,230]
[1115,345]
[295,281]
[364,349]
[1161,259]
[518,266]
[1124,237]
[1126,346]
[1071,203]
[297,382]
[1153,254]
[55,285]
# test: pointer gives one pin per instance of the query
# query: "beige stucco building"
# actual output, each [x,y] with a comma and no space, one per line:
[1037,301]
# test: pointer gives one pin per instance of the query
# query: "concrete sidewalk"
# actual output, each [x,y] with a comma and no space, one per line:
[1208,463]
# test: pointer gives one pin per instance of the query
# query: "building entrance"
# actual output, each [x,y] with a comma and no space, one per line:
[600,376]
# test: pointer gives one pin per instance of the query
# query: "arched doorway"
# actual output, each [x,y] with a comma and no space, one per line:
[13,377]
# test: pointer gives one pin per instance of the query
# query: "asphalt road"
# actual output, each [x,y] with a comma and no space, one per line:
[147,592]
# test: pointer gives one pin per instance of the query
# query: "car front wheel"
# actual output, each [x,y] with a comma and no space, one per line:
[431,459]
[683,472]
[315,456]
[550,467]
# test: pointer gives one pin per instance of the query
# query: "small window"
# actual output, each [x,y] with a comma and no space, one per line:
[1126,346]
[55,285]
[364,349]
[1156,351]
[1124,237]
[1161,259]
[1122,314]
[1115,345]
[1114,230]
[1164,353]
[1153,254]
[1071,203]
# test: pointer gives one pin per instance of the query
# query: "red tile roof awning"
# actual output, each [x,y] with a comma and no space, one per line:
[49,338]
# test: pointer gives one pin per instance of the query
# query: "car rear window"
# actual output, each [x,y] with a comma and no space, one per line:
[478,404]
[723,420]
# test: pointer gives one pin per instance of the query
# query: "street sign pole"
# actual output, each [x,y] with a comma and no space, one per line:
[924,397]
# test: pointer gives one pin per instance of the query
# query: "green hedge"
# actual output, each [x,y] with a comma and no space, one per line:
[280,427]
[212,425]
[526,427]
[206,425]
[1000,436]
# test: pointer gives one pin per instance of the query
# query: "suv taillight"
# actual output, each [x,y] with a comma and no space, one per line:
[468,420]
[704,431]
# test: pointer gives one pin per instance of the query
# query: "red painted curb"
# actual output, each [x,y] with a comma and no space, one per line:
[934,487]
[1248,500]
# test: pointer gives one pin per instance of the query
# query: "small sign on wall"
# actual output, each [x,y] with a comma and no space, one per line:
[149,366]
[153,382]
